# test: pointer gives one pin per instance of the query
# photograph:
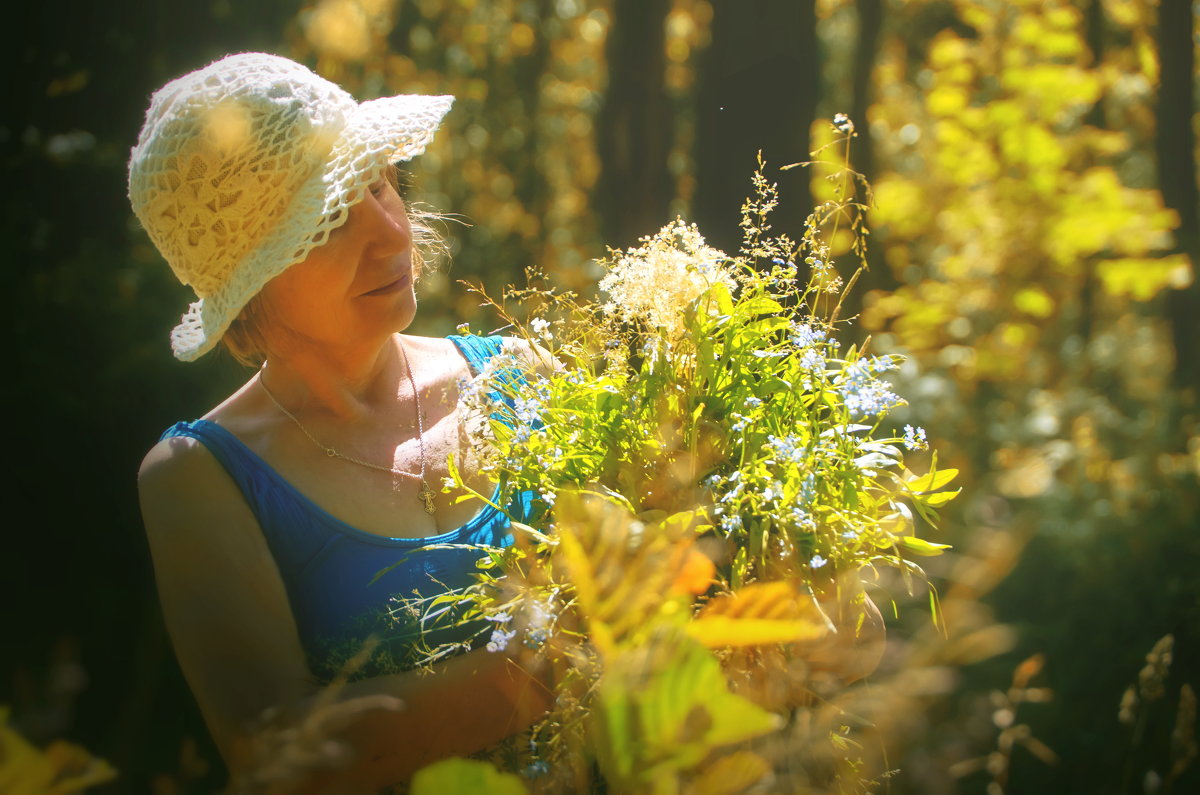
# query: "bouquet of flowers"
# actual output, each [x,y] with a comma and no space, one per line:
[716,478]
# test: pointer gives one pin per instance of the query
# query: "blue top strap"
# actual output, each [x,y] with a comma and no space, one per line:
[330,568]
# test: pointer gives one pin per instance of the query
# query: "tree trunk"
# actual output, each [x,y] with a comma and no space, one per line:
[870,24]
[862,153]
[1175,147]
[758,91]
[634,134]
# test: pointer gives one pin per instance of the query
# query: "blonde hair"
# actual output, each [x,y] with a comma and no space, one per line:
[246,338]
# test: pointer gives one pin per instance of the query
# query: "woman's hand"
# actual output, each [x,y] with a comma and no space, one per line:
[855,648]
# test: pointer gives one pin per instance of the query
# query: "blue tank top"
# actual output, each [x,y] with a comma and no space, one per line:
[332,571]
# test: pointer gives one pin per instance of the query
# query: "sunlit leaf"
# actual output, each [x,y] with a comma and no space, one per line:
[920,546]
[719,631]
[465,777]
[933,481]
[672,696]
[1144,278]
[731,774]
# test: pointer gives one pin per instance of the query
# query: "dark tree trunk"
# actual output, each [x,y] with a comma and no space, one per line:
[1175,147]
[758,91]
[862,153]
[634,134]
[870,24]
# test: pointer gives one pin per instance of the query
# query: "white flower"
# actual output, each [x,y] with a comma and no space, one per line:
[657,282]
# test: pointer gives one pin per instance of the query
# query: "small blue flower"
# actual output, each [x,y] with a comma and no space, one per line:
[529,410]
[817,561]
[536,768]
[811,360]
[808,489]
[914,438]
[803,519]
[804,335]
[500,637]
[536,638]
[788,448]
[881,364]
[863,394]
[732,494]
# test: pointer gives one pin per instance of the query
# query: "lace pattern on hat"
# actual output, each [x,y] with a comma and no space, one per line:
[244,167]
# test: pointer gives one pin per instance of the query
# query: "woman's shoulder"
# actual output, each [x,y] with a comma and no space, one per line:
[182,456]
[179,469]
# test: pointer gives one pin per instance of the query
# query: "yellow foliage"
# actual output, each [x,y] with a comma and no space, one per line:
[731,774]
[465,777]
[1142,278]
[1004,197]
[1034,301]
[340,29]
[59,769]
[760,613]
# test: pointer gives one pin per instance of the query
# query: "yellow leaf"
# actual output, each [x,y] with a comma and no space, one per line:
[933,481]
[946,101]
[760,613]
[465,777]
[61,769]
[776,599]
[1034,301]
[731,774]
[720,631]
[1143,278]
[696,574]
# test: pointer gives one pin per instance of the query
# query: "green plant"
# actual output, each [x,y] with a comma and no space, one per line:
[713,469]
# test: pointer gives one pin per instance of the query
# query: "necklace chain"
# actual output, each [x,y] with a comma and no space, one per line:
[425,494]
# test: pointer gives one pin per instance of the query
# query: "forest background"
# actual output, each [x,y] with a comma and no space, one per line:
[1032,250]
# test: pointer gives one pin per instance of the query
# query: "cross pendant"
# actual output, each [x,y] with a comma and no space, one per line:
[426,495]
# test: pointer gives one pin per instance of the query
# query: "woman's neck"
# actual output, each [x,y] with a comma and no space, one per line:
[348,385]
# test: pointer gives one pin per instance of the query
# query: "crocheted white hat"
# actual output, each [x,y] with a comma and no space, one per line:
[244,166]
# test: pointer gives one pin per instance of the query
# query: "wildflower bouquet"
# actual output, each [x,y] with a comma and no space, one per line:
[716,478]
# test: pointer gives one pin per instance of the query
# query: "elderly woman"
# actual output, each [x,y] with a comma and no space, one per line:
[271,192]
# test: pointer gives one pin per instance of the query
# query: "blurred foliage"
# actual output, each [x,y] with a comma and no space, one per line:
[1032,255]
[58,769]
[1023,256]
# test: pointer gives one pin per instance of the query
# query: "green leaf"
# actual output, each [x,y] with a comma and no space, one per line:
[772,385]
[664,707]
[759,305]
[933,481]
[920,546]
[465,777]
[941,498]
[720,292]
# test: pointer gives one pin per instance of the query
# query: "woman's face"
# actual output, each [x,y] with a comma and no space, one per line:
[357,287]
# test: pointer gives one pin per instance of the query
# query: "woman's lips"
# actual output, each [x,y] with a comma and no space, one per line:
[390,287]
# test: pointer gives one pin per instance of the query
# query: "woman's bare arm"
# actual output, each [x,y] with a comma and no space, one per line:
[230,622]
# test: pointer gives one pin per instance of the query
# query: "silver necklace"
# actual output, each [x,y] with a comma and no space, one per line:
[425,494]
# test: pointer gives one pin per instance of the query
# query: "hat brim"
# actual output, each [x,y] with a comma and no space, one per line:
[377,133]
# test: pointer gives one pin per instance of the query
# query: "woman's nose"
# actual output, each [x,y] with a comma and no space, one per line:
[387,222]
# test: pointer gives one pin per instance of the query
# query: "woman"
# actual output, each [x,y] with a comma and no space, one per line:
[270,191]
